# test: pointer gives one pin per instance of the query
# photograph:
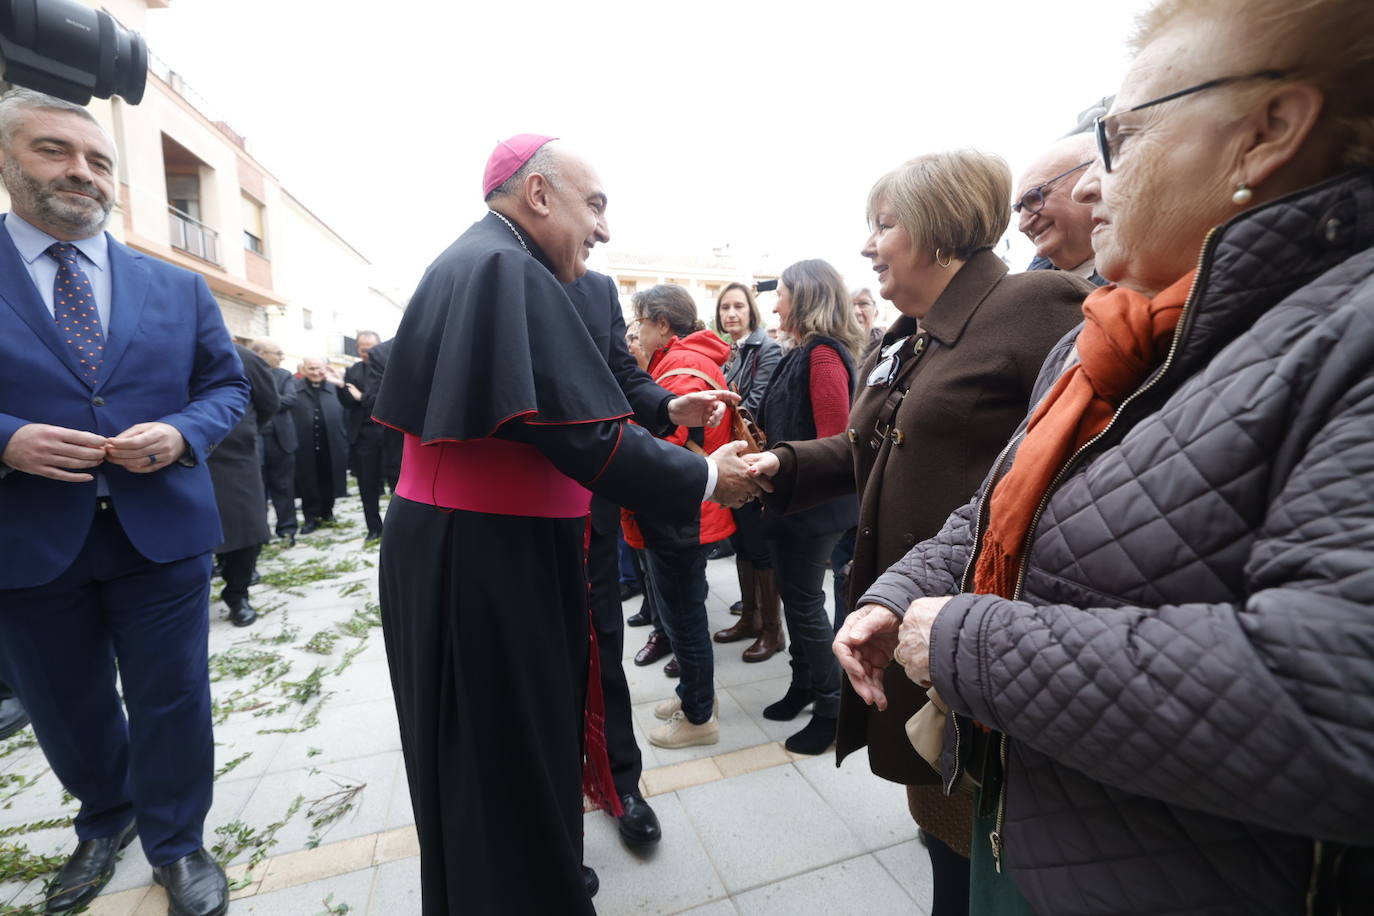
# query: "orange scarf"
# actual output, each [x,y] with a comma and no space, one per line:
[1125,336]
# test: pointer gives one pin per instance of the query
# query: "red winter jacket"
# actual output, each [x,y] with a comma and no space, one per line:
[705,352]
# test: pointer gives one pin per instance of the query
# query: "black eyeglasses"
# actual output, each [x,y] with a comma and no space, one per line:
[1033,201]
[1106,145]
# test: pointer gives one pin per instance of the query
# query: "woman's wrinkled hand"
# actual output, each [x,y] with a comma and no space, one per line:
[913,638]
[865,646]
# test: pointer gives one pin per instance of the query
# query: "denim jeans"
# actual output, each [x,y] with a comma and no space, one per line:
[677,585]
[799,567]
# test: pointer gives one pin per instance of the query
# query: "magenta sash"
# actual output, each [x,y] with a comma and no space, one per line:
[495,476]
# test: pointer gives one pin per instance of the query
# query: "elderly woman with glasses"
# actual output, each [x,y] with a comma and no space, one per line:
[935,404]
[1153,623]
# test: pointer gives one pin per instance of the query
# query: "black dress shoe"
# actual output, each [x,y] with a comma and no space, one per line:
[638,825]
[242,614]
[311,524]
[655,648]
[628,591]
[195,885]
[720,550]
[672,669]
[372,536]
[638,620]
[591,880]
[88,870]
[12,717]
[255,579]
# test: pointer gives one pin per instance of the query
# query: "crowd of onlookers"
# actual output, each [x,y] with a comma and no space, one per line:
[1100,529]
[300,436]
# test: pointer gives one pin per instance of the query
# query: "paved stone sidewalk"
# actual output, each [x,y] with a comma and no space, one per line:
[311,789]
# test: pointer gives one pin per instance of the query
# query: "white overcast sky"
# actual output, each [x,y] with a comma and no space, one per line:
[753,123]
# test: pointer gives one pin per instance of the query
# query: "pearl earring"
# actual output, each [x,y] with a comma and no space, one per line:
[1242,196]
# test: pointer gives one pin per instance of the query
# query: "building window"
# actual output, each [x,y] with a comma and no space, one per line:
[253,226]
[627,286]
[308,319]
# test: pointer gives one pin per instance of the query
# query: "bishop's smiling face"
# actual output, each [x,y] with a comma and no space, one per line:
[576,219]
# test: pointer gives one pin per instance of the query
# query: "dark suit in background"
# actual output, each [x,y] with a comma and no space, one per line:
[596,300]
[364,438]
[322,456]
[392,440]
[236,471]
[279,443]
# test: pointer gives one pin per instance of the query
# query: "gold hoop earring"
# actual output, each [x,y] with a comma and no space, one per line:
[946,262]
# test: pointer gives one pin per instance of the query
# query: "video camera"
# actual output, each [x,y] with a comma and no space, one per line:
[71,51]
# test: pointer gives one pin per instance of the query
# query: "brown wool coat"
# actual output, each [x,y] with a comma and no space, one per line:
[984,341]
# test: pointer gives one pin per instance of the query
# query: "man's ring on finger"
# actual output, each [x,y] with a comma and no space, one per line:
[152,460]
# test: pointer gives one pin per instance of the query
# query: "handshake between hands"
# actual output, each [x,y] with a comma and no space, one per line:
[60,453]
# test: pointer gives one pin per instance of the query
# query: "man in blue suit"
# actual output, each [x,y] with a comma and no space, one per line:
[117,378]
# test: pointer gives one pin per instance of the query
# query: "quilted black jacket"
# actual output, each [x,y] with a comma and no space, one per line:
[1187,680]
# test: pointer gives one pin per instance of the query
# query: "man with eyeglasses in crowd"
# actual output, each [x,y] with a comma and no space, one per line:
[1058,226]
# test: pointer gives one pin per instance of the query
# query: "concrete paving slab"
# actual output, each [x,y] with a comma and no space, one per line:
[909,865]
[765,826]
[859,885]
[396,889]
[873,808]
[673,876]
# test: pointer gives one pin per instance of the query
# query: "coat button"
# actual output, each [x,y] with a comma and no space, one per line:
[868,532]
[98,401]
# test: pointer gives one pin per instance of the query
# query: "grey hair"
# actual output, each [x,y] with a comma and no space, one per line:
[373,334]
[544,161]
[19,99]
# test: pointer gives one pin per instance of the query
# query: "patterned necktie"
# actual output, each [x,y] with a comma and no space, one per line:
[73,303]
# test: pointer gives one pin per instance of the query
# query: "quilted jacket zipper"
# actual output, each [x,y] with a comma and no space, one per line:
[996,836]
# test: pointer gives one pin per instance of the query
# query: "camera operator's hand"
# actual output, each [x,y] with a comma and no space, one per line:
[734,486]
[701,408]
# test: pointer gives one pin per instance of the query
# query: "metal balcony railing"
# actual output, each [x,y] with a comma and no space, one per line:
[192,236]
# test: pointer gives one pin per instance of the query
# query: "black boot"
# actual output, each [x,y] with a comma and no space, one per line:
[591,880]
[815,738]
[785,710]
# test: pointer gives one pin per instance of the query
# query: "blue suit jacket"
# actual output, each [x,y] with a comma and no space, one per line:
[169,358]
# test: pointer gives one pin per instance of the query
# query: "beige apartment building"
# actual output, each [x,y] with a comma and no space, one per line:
[704,276]
[191,194]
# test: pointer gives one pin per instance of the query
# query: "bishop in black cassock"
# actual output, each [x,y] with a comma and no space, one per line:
[511,419]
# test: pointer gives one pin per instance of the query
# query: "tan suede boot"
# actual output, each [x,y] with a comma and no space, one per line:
[747,626]
[770,639]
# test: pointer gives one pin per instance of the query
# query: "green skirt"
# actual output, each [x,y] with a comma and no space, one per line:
[990,892]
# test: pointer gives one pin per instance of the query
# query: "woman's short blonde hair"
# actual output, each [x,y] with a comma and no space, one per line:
[1329,43]
[958,202]
[820,305]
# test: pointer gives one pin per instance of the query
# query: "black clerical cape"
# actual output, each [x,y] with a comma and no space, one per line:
[485,615]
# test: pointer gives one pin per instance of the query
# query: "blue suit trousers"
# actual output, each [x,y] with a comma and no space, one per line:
[59,645]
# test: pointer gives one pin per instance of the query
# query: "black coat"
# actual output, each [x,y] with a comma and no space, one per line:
[236,464]
[335,438]
[280,426]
